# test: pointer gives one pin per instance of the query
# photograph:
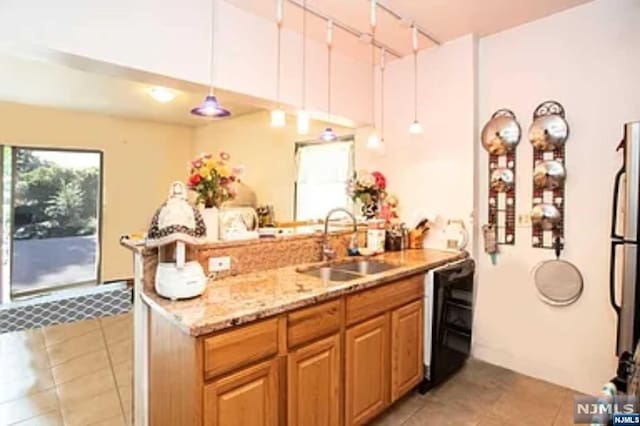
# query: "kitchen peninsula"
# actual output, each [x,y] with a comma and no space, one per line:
[270,344]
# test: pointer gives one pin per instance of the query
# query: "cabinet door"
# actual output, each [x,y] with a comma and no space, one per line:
[245,398]
[407,363]
[314,384]
[367,369]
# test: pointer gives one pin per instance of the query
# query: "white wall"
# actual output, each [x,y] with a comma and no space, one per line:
[171,37]
[587,59]
[432,173]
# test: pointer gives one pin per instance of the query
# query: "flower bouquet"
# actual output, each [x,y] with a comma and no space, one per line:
[369,189]
[213,180]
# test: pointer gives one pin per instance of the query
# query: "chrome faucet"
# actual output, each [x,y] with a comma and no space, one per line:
[327,252]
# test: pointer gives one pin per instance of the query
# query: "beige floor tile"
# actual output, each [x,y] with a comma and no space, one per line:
[54,418]
[91,410]
[86,387]
[114,421]
[438,413]
[28,339]
[118,331]
[106,321]
[126,397]
[530,402]
[565,413]
[402,410]
[75,347]
[32,381]
[124,373]
[80,366]
[30,406]
[59,333]
[121,351]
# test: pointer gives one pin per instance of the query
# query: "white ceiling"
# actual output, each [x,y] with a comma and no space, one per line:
[443,19]
[37,82]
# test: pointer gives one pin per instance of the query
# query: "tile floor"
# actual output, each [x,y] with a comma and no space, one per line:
[75,374]
[79,374]
[482,394]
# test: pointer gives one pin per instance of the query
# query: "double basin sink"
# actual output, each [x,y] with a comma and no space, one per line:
[348,271]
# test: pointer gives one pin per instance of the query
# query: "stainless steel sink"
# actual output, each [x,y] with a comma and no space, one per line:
[366,267]
[348,271]
[327,273]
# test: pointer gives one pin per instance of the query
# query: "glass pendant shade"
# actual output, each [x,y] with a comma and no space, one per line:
[278,118]
[328,135]
[415,128]
[303,122]
[373,142]
[210,108]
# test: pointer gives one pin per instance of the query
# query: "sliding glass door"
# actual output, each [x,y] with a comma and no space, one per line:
[54,206]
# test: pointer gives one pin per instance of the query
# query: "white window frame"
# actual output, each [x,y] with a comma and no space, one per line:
[349,139]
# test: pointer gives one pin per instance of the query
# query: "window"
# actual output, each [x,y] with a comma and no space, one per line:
[324,169]
[54,205]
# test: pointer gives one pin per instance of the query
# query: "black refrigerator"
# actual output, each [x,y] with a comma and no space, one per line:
[624,262]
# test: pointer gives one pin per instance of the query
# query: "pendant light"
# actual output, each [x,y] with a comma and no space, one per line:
[210,107]
[278,116]
[373,142]
[303,115]
[415,128]
[328,135]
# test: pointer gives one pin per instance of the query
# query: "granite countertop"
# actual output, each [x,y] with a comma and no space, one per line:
[244,298]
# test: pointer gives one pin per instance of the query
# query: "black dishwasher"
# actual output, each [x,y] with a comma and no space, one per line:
[452,310]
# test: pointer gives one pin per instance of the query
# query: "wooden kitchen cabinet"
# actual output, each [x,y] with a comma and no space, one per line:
[367,376]
[314,377]
[407,364]
[339,362]
[248,397]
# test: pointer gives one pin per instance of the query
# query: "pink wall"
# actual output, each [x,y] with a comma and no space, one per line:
[171,37]
[587,59]
[432,173]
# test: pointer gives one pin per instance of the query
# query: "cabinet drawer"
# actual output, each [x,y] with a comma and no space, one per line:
[233,349]
[308,324]
[369,303]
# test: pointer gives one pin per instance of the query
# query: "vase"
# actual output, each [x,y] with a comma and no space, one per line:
[370,210]
[210,216]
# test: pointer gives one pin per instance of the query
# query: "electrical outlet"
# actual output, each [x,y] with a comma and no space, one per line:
[217,264]
[524,220]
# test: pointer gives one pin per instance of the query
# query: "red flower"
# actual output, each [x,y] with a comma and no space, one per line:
[381,181]
[194,179]
[224,156]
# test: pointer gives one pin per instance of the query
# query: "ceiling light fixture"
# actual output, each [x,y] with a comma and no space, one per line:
[415,128]
[328,135]
[303,115]
[210,107]
[373,142]
[162,94]
[278,116]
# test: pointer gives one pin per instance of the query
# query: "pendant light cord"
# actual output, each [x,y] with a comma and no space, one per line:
[212,41]
[373,77]
[304,54]
[329,51]
[415,87]
[382,53]
[278,66]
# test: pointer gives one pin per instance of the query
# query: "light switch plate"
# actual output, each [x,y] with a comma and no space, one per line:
[217,264]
